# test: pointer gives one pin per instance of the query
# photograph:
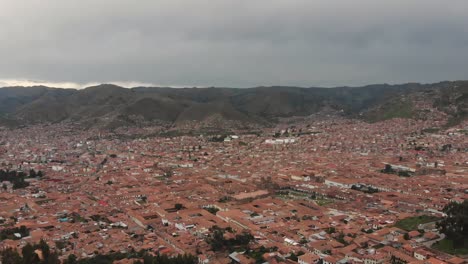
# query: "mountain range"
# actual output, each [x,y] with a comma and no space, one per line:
[110,106]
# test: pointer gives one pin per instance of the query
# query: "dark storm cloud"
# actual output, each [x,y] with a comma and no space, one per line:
[234,43]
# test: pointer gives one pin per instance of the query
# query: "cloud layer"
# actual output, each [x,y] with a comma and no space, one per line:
[76,85]
[235,43]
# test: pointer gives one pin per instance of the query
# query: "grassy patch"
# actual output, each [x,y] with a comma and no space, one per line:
[431,130]
[283,196]
[446,246]
[323,202]
[412,223]
[394,109]
[298,194]
[456,119]
[403,110]
[293,195]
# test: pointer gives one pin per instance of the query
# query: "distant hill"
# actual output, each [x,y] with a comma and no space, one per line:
[110,105]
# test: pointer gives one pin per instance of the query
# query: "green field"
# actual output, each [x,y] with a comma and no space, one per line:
[393,109]
[446,246]
[293,195]
[412,223]
[323,201]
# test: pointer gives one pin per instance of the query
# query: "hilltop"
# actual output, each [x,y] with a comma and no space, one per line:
[113,106]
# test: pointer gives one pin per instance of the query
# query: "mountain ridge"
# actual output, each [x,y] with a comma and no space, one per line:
[104,104]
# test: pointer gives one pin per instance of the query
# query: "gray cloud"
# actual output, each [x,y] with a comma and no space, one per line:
[236,43]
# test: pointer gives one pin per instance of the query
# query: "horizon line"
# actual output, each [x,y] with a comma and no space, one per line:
[11,83]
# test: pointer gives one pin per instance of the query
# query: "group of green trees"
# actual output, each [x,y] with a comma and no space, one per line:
[163,259]
[9,233]
[455,224]
[29,256]
[365,189]
[218,243]
[257,254]
[18,178]
[224,199]
[212,210]
[218,138]
[389,170]
[140,257]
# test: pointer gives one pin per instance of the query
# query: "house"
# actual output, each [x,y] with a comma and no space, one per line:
[374,259]
[456,260]
[300,177]
[422,254]
[414,234]
[239,258]
[340,183]
[435,261]
[308,258]
[329,260]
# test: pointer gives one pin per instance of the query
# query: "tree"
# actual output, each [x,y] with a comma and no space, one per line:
[455,224]
[178,206]
[71,259]
[29,256]
[331,230]
[32,173]
[388,169]
[10,256]
[395,260]
[244,238]
[23,230]
[218,243]
[212,210]
[53,258]
[60,244]
[5,187]
[147,259]
[341,238]
[293,256]
[216,240]
[44,248]
[141,255]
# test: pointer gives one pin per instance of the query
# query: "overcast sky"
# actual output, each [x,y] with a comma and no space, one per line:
[234,43]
